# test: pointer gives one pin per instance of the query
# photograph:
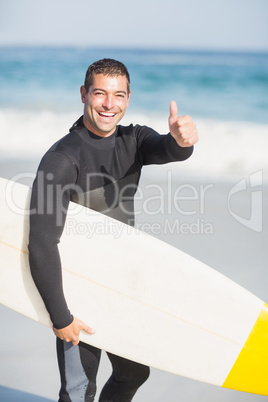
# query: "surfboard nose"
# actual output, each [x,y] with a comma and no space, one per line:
[250,370]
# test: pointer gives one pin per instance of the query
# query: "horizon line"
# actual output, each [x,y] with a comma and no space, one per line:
[137,47]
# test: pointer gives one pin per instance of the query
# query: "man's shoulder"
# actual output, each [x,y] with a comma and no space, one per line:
[70,141]
[64,144]
[69,145]
[134,129]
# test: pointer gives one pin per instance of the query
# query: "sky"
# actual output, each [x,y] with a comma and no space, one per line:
[188,24]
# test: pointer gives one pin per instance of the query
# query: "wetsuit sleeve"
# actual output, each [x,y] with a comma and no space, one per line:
[155,148]
[49,203]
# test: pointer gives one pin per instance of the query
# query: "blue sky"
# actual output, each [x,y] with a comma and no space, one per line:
[190,24]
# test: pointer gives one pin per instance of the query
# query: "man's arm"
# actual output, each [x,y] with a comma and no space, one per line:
[49,203]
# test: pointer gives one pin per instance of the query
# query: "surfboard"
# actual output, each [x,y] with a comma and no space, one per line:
[148,301]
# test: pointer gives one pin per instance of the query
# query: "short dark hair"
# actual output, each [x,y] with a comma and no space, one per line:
[110,67]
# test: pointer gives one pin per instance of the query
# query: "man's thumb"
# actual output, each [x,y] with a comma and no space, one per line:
[87,329]
[173,109]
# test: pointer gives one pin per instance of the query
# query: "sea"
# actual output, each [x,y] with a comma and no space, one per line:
[226,93]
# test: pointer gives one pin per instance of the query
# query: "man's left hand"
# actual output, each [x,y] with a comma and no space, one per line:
[182,128]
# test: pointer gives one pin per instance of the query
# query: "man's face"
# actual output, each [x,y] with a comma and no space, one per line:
[105,103]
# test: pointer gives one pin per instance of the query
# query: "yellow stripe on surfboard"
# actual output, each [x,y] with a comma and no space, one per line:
[250,371]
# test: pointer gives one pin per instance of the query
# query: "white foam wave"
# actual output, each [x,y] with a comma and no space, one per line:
[224,147]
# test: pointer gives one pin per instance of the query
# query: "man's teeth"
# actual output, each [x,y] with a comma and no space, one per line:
[106,114]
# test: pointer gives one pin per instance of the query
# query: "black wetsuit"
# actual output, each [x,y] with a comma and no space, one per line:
[101,173]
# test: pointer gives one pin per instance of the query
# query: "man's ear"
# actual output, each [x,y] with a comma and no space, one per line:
[83,93]
[128,97]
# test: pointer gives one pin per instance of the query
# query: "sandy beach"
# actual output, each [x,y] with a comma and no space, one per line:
[210,232]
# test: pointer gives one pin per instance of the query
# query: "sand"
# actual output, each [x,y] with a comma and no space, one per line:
[205,227]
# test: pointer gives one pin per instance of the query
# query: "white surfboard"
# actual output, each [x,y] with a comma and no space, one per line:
[148,301]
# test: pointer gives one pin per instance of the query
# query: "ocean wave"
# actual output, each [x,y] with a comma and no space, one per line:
[224,147]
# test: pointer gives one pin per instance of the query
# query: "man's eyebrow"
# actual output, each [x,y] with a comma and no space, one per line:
[98,89]
[103,90]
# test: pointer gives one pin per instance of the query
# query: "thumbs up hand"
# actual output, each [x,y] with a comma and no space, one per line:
[182,128]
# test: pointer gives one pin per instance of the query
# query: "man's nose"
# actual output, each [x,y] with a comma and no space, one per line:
[108,102]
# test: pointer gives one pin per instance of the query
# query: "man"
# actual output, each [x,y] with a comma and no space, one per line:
[88,163]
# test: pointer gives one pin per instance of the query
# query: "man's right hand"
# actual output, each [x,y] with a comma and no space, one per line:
[72,332]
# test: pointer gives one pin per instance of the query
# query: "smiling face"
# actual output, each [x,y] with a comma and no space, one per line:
[105,103]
